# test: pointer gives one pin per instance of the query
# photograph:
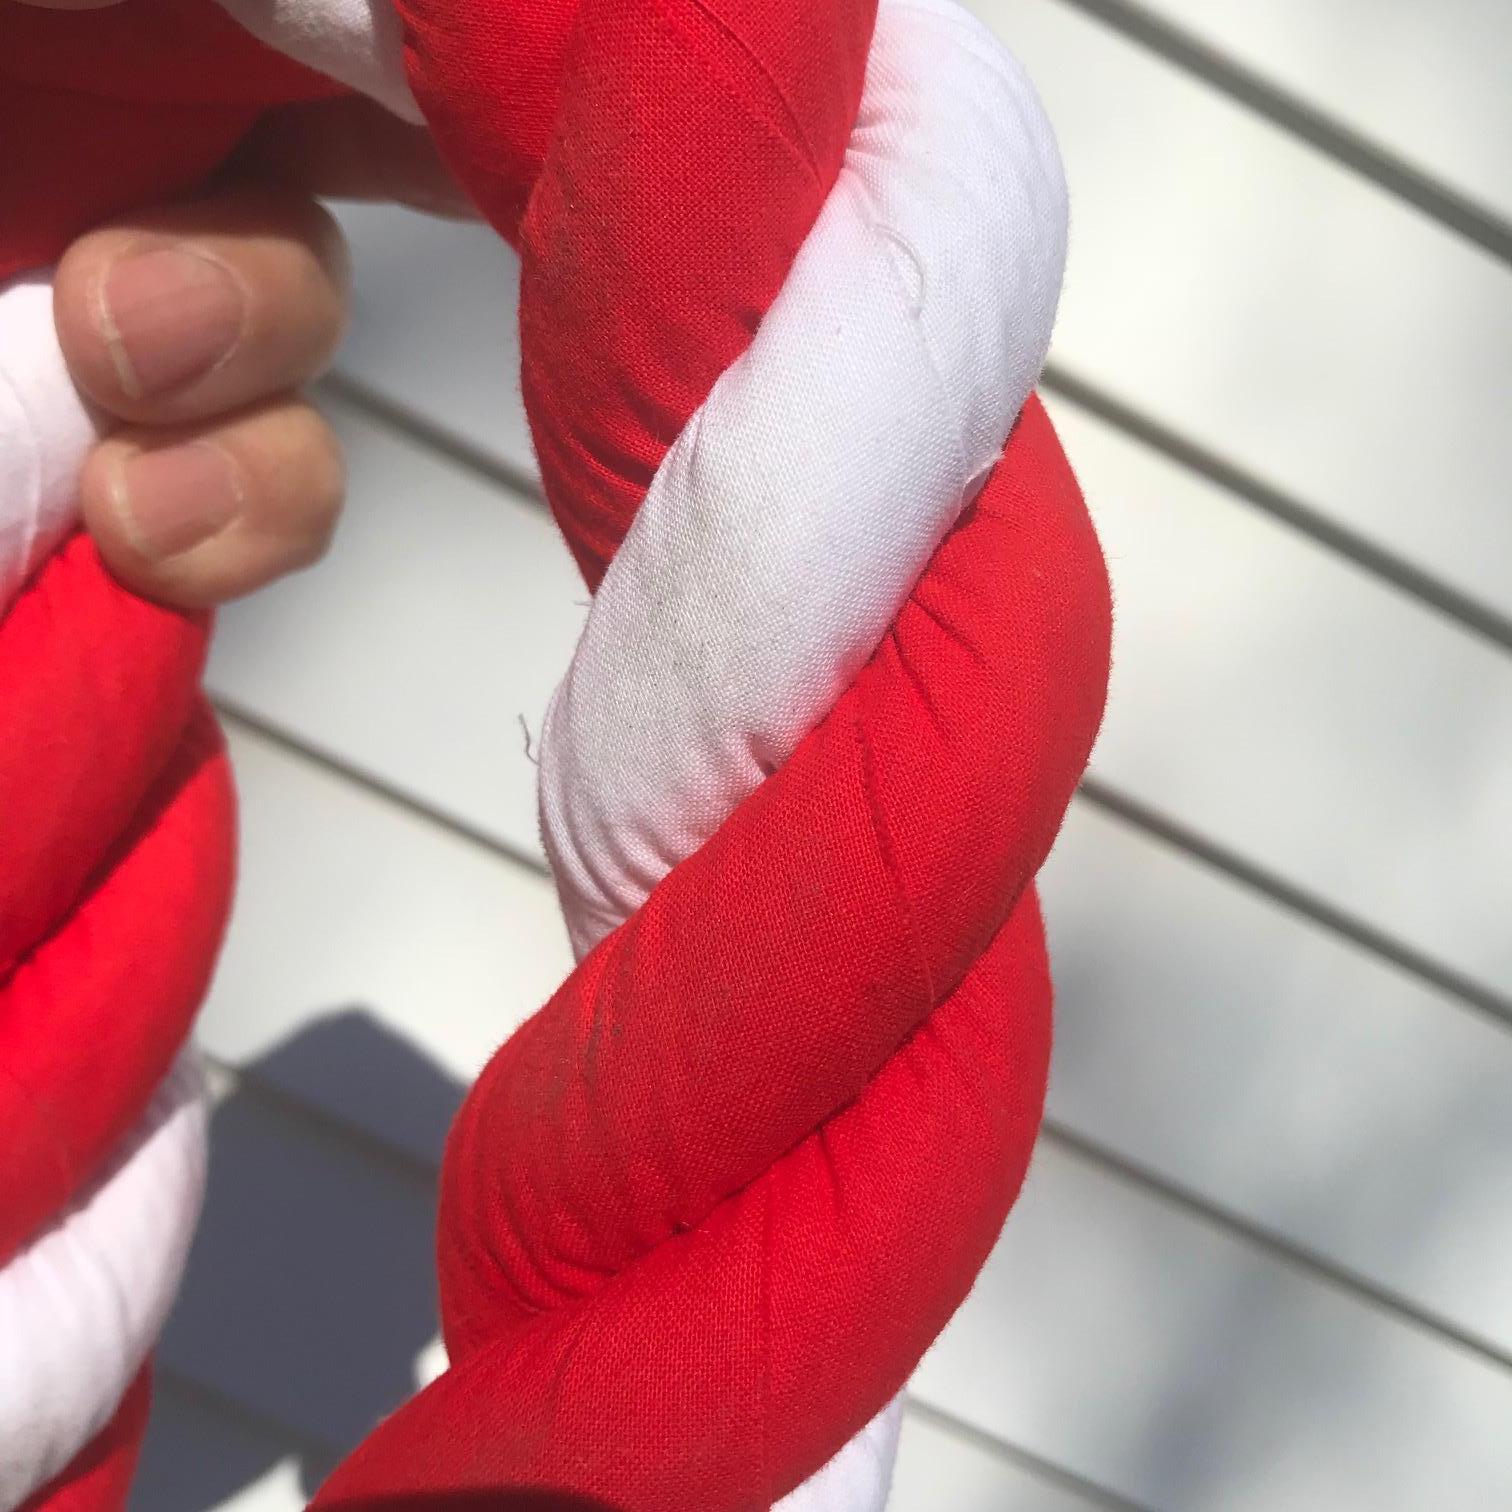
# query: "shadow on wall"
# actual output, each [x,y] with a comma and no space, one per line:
[310,1294]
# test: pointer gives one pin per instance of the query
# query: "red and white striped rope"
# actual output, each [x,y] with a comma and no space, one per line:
[115,828]
[789,277]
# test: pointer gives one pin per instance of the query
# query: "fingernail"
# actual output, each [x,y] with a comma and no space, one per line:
[171,500]
[167,317]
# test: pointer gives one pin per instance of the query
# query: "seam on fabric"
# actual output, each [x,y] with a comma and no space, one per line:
[521,1233]
[917,683]
[888,851]
[795,134]
[795,144]
[154,803]
[917,601]
[581,445]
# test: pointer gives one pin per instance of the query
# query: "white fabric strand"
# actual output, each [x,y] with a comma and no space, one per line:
[359,43]
[45,432]
[83,1303]
[791,518]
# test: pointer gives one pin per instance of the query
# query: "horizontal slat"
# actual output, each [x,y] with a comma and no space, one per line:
[310,1293]
[1281,1075]
[1427,82]
[1269,697]
[444,616]
[938,1468]
[321,926]
[1272,305]
[446,345]
[363,932]
[1159,1357]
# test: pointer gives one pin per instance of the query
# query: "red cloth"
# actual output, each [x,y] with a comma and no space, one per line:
[116,829]
[103,111]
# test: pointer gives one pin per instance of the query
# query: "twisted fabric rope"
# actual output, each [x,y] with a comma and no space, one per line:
[116,813]
[701,1216]
[115,826]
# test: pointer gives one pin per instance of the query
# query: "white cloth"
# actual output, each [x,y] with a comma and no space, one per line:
[82,1304]
[45,431]
[790,519]
[359,43]
[788,522]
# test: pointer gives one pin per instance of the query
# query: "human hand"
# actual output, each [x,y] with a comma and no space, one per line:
[195,326]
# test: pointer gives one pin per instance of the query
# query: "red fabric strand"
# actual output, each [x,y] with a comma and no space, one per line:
[106,111]
[703,1214]
[108,754]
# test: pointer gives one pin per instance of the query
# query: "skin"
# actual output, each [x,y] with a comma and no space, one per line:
[197,325]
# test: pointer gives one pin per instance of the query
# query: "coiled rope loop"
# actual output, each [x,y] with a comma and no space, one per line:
[115,834]
[116,811]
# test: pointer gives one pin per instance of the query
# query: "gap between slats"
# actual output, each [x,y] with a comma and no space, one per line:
[295,1440]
